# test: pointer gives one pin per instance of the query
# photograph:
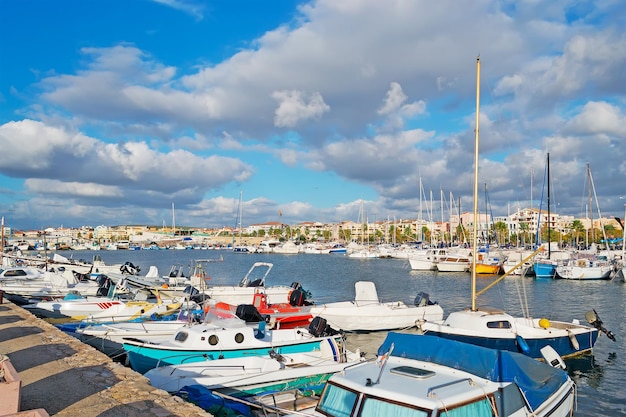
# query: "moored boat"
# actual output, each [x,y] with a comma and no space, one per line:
[221,336]
[419,375]
[256,375]
[367,313]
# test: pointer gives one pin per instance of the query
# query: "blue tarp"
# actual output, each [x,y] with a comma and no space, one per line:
[537,380]
[216,405]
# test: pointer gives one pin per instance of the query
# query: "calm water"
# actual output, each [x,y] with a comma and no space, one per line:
[331,278]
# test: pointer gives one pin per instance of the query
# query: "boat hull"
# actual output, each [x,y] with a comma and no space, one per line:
[146,356]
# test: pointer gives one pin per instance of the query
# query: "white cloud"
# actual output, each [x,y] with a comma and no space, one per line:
[295,107]
[394,99]
[599,117]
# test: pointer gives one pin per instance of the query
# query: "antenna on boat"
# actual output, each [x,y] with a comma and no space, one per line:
[382,361]
[476,143]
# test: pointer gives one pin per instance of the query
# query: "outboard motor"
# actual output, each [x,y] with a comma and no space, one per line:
[80,277]
[249,313]
[297,298]
[129,268]
[104,284]
[594,319]
[319,327]
[423,299]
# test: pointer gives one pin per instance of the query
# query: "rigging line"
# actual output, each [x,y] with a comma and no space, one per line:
[537,233]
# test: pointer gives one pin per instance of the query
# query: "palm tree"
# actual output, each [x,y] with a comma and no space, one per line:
[523,227]
[578,228]
[501,231]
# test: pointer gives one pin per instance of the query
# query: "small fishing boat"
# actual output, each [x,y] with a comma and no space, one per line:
[108,337]
[223,335]
[108,305]
[368,313]
[278,315]
[256,375]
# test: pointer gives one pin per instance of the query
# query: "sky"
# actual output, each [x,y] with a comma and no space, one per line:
[173,111]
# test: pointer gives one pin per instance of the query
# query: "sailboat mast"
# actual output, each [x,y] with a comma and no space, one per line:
[173,222]
[549,240]
[589,191]
[476,144]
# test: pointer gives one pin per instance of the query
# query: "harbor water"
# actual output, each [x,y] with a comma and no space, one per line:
[330,278]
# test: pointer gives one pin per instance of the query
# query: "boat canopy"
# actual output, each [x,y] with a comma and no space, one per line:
[536,380]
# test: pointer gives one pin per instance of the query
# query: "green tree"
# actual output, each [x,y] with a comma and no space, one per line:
[501,232]
[578,228]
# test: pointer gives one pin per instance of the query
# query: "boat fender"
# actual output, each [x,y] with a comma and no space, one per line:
[260,333]
[522,344]
[544,323]
[573,340]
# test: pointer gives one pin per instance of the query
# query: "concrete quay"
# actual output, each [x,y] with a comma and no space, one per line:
[69,378]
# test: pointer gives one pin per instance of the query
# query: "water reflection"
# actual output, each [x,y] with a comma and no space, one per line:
[587,369]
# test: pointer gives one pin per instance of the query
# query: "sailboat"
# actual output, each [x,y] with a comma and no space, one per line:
[498,330]
[239,248]
[586,265]
[544,265]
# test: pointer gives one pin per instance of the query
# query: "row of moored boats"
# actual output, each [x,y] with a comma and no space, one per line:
[262,349]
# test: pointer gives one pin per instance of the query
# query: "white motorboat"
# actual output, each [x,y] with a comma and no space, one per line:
[248,286]
[223,335]
[30,282]
[109,336]
[427,259]
[426,376]
[257,374]
[367,313]
[108,306]
[453,263]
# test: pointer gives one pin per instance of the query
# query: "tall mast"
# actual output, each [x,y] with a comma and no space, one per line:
[476,146]
[549,240]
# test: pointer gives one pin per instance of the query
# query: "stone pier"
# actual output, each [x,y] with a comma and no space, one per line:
[68,378]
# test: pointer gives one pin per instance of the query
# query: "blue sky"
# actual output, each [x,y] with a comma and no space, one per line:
[110,111]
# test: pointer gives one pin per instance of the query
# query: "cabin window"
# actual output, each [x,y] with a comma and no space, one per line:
[239,338]
[480,408]
[181,336]
[373,407]
[213,339]
[500,324]
[337,401]
[15,273]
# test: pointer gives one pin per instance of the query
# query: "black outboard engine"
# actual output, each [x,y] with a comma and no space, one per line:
[80,277]
[297,298]
[249,313]
[423,299]
[594,319]
[104,284]
[319,327]
[129,268]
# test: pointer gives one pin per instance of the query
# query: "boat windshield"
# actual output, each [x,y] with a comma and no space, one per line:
[222,318]
[338,401]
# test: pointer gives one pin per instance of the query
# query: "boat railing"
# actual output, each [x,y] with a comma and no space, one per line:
[431,390]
